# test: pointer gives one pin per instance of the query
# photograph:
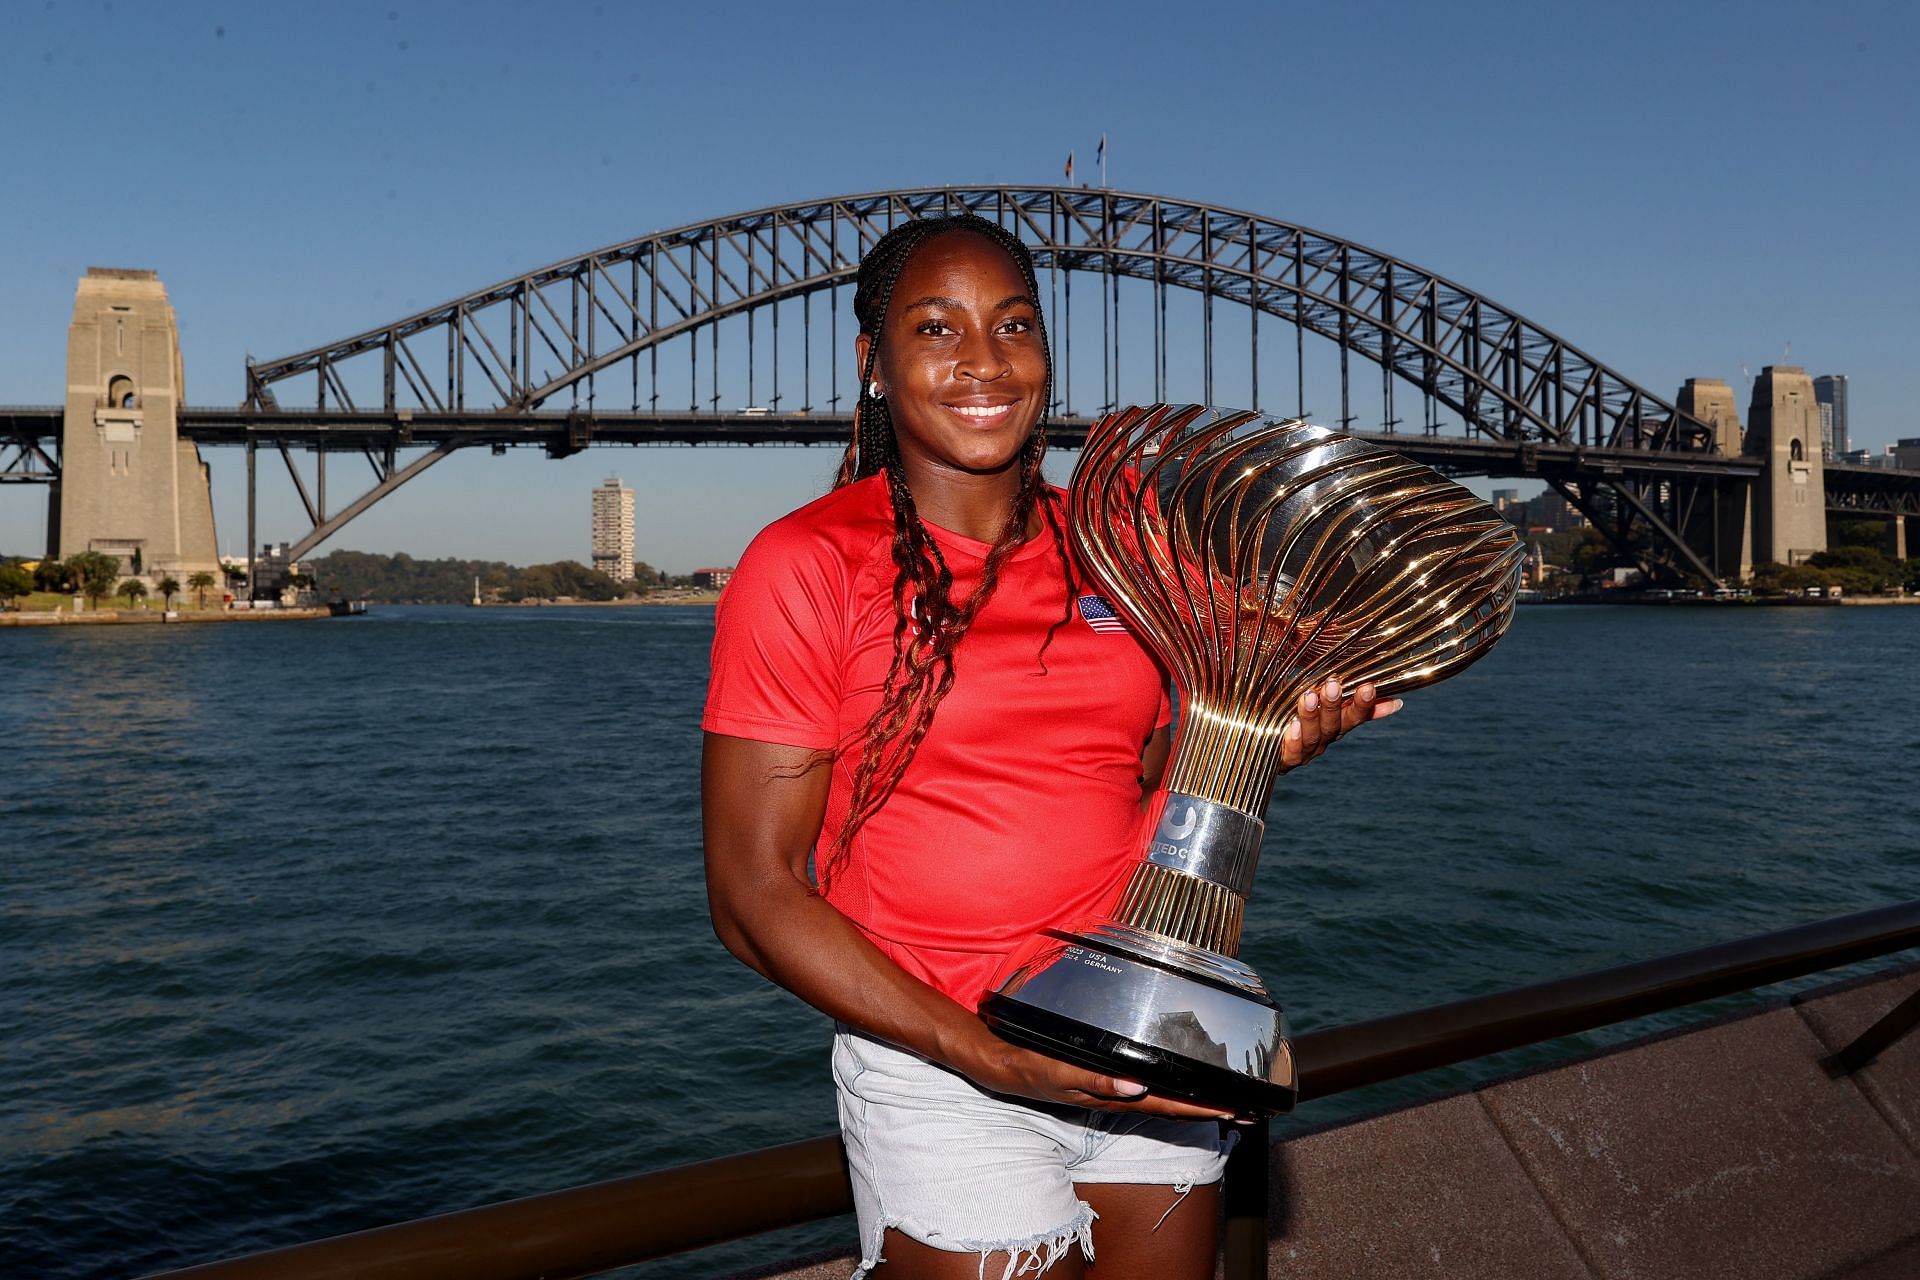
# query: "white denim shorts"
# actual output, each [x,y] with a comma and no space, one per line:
[967,1171]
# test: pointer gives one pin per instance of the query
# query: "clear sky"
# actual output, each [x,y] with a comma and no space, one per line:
[1680,189]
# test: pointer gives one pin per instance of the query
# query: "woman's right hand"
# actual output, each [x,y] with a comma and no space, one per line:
[1002,1067]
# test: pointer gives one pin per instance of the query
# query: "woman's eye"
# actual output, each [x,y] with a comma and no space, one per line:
[1020,325]
[934,328]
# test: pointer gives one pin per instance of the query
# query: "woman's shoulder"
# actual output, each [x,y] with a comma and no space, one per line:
[845,526]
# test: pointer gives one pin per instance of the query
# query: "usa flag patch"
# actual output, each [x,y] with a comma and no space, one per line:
[1099,615]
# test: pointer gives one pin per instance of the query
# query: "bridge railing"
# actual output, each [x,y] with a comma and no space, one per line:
[590,1229]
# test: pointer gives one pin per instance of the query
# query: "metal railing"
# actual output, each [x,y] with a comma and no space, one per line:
[585,1230]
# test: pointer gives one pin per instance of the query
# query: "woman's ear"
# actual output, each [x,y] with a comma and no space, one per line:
[862,343]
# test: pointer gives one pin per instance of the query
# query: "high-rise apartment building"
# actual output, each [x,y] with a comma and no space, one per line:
[613,530]
[1830,393]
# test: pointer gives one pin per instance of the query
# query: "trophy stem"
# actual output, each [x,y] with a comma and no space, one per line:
[1223,758]
[1198,912]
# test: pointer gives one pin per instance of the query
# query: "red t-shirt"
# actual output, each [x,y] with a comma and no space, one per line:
[1020,810]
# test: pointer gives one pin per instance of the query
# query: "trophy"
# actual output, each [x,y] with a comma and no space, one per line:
[1258,557]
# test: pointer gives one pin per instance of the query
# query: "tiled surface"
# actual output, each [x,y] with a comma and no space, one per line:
[1724,1153]
[1429,1192]
[1892,1081]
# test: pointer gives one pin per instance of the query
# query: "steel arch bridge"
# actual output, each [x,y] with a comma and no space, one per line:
[517,345]
[572,353]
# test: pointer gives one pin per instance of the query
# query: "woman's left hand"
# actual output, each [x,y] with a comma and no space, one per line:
[1324,715]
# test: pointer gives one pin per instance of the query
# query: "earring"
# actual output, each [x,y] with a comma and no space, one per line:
[874,391]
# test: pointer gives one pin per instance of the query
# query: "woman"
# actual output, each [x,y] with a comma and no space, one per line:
[906,696]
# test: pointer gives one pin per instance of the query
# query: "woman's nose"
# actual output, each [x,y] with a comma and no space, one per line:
[981,359]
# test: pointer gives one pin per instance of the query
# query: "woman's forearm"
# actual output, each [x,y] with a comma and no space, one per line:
[788,933]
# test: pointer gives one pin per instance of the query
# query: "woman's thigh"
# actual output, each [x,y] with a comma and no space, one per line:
[1140,1236]
[1137,1237]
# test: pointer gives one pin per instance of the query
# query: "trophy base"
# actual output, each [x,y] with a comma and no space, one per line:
[1109,1008]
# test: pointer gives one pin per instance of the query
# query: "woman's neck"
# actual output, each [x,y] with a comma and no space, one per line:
[971,504]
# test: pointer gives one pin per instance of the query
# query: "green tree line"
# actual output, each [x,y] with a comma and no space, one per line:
[401,579]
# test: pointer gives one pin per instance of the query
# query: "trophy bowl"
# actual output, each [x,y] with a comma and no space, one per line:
[1258,557]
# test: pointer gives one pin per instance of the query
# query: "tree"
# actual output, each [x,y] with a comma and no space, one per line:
[94,573]
[169,588]
[14,582]
[133,589]
[54,576]
[200,581]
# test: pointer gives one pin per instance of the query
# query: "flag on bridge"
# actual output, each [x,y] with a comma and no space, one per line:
[1069,168]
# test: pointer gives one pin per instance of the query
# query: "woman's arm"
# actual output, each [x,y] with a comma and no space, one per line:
[762,807]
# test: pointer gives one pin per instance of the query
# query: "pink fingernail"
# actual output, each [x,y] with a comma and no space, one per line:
[1311,702]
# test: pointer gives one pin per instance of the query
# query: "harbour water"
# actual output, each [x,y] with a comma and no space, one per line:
[311,928]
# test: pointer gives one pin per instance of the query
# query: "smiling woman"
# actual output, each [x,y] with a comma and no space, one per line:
[883,861]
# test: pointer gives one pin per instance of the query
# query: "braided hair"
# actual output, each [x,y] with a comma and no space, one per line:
[928,623]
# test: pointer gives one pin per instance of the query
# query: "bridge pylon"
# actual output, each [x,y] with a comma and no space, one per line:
[1722,528]
[129,485]
[1783,429]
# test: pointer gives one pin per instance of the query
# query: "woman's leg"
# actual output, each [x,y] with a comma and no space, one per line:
[1144,1233]
[908,1259]
[1152,1232]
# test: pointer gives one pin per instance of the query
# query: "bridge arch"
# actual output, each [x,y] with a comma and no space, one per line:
[574,320]
[1647,473]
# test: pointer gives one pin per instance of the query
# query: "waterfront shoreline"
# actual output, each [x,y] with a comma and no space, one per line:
[143,618]
[705,597]
[1754,602]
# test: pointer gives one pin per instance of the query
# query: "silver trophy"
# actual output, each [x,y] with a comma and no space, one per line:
[1258,557]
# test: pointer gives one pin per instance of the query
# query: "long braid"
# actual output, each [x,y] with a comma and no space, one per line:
[928,625]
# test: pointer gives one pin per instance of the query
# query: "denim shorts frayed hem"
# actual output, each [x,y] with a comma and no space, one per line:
[959,1169]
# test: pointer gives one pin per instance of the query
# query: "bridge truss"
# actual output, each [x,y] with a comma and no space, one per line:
[589,334]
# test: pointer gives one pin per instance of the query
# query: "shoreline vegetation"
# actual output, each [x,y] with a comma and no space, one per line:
[401,579]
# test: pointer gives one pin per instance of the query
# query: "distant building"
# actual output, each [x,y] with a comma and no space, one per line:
[1906,454]
[613,530]
[1830,393]
[712,579]
[1504,499]
[1547,513]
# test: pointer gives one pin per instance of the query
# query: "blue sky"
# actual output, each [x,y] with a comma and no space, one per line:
[1679,189]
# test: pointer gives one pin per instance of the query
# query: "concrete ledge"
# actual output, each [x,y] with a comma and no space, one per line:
[1717,1151]
[1891,1082]
[1431,1191]
[1723,1153]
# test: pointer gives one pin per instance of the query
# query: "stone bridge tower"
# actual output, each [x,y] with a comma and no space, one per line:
[1723,531]
[1783,431]
[129,485]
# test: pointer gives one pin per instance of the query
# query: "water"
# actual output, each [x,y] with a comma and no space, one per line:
[311,927]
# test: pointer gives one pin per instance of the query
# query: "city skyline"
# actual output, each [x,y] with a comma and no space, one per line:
[352,227]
